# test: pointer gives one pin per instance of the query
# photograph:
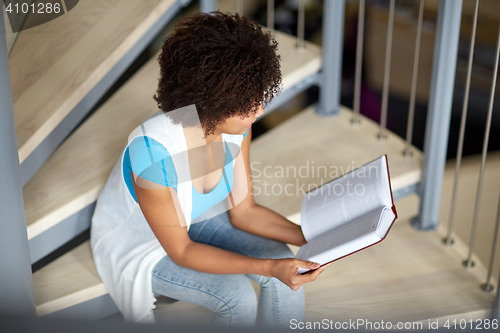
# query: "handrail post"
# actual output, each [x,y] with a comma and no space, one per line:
[16,287]
[439,114]
[332,44]
[207,6]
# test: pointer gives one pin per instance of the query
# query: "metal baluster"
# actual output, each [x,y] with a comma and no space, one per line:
[332,45]
[270,15]
[487,286]
[409,131]
[208,6]
[239,7]
[359,63]
[469,263]
[387,72]
[301,26]
[448,240]
[437,125]
[16,287]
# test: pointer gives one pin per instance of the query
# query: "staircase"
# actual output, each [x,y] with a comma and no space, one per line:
[71,64]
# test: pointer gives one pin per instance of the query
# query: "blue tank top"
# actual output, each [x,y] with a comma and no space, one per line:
[151,161]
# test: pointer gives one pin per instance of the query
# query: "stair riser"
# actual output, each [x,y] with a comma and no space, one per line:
[50,240]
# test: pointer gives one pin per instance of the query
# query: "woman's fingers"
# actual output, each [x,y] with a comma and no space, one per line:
[289,266]
[312,275]
[316,273]
[307,277]
[306,264]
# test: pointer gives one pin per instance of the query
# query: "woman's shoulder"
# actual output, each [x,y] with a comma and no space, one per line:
[151,160]
[147,146]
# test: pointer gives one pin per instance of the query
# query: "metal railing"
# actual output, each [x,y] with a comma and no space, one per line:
[437,127]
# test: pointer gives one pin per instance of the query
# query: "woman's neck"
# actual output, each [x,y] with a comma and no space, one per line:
[195,136]
[202,154]
[214,137]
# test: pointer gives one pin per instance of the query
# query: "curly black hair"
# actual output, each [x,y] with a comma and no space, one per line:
[224,64]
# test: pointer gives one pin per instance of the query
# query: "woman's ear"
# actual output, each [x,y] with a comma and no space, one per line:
[260,111]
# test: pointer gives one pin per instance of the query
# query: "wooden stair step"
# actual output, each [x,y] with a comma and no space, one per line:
[68,280]
[308,150]
[72,178]
[296,64]
[397,281]
[56,65]
[410,276]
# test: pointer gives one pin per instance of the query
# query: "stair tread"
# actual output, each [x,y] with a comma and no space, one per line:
[412,277]
[53,66]
[74,174]
[71,273]
[296,64]
[327,146]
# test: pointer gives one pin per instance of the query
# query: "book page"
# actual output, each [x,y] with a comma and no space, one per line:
[345,199]
[325,216]
[385,223]
[350,238]
[345,234]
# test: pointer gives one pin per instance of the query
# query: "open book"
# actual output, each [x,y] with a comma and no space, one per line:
[347,214]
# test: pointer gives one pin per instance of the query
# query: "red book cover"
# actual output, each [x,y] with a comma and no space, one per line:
[393,209]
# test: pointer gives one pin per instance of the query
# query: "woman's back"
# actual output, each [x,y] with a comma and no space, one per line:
[125,248]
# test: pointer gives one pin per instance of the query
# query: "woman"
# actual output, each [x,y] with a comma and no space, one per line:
[155,229]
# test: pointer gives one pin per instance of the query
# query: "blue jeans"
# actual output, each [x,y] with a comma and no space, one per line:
[232,297]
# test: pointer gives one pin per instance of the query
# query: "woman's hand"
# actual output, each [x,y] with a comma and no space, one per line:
[286,271]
